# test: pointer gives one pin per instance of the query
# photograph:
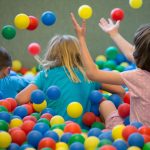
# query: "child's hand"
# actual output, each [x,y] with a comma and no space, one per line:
[80,30]
[108,26]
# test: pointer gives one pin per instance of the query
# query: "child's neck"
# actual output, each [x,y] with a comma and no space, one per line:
[2,74]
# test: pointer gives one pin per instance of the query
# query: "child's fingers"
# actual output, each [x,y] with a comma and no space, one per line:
[103,21]
[110,21]
[75,23]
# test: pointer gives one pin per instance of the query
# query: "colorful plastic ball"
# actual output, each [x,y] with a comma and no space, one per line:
[94,132]
[49,110]
[53,92]
[48,18]
[18,136]
[136,139]
[12,102]
[98,125]
[8,32]
[144,130]
[117,14]
[107,147]
[106,135]
[88,118]
[65,137]
[76,138]
[135,3]
[4,115]
[34,49]
[40,107]
[47,142]
[91,143]
[104,142]
[120,144]
[37,96]
[111,52]
[41,127]
[2,108]
[32,118]
[15,123]
[146,138]
[101,58]
[134,148]
[47,116]
[5,139]
[109,65]
[16,65]
[20,111]
[27,126]
[77,146]
[136,124]
[126,121]
[21,21]
[126,98]
[72,128]
[85,11]
[6,104]
[74,109]
[13,146]
[116,99]
[146,146]
[117,132]
[60,132]
[33,24]
[26,146]
[29,108]
[95,96]
[52,134]
[44,120]
[34,137]
[3,125]
[57,120]
[61,146]
[124,110]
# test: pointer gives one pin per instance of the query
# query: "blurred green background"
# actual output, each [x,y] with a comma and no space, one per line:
[97,40]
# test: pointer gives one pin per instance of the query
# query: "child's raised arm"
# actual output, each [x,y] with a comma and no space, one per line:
[91,70]
[112,29]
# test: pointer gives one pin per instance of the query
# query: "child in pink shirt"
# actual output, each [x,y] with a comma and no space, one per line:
[137,81]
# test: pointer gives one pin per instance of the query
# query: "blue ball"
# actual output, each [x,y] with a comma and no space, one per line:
[41,127]
[77,146]
[120,58]
[94,132]
[53,92]
[20,111]
[95,109]
[136,139]
[53,135]
[126,121]
[48,18]
[5,116]
[95,96]
[25,146]
[120,145]
[136,124]
[65,137]
[37,96]
[13,146]
[116,99]
[1,95]
[106,135]
[34,137]
[48,110]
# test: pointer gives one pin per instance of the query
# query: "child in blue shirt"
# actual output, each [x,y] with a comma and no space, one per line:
[9,85]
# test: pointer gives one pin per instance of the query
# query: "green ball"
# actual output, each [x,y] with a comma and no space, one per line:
[104,142]
[46,148]
[8,32]
[111,52]
[120,68]
[4,125]
[76,138]
[58,126]
[98,125]
[106,96]
[100,64]
[36,115]
[44,120]
[146,146]
[110,64]
[2,108]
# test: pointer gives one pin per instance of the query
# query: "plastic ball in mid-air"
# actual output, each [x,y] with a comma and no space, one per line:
[33,23]
[34,48]
[85,11]
[135,4]
[117,14]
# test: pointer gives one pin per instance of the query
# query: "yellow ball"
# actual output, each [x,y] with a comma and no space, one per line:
[16,65]
[61,146]
[74,109]
[101,57]
[40,107]
[15,123]
[5,139]
[21,21]
[135,3]
[91,143]
[124,64]
[85,11]
[133,148]
[30,149]
[117,132]
[57,120]
[59,132]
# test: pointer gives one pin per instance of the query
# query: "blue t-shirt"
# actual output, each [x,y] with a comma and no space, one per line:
[70,91]
[11,85]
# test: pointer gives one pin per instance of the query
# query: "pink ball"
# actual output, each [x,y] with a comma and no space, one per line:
[117,14]
[124,110]
[34,49]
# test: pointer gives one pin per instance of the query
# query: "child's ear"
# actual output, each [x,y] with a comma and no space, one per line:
[6,70]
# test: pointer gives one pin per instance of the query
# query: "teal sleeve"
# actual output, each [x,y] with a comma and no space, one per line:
[97,85]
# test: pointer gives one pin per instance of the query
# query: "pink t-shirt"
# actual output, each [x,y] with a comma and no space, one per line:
[138,83]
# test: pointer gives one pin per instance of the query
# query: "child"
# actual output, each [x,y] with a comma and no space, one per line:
[138,81]
[9,85]
[63,67]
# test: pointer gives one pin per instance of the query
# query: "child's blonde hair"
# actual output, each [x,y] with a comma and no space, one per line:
[64,50]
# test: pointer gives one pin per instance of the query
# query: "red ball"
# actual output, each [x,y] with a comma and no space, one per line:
[128,130]
[72,128]
[144,130]
[124,110]
[12,102]
[117,14]
[18,136]
[33,23]
[126,98]
[34,49]
[6,104]
[89,118]
[23,70]
[47,143]
[32,118]
[47,116]
[146,138]
[27,126]
[107,147]
[29,108]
